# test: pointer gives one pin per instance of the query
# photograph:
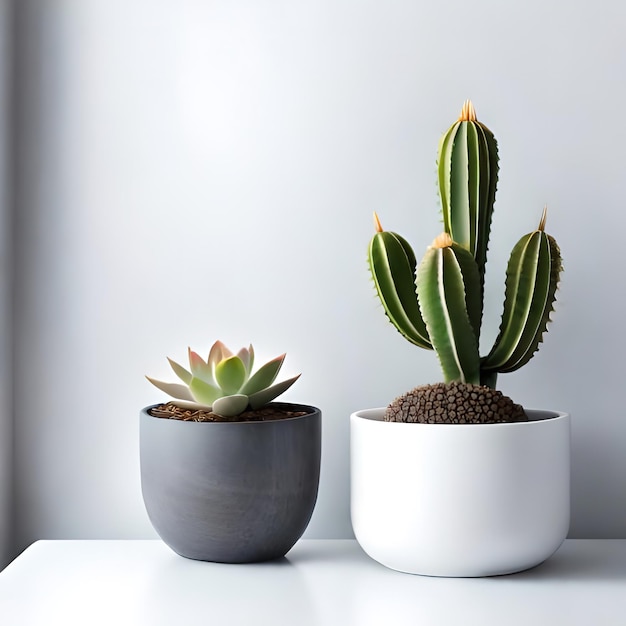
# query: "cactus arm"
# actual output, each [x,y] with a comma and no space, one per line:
[445,276]
[468,173]
[531,282]
[392,264]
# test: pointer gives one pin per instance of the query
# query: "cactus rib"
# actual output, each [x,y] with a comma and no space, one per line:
[392,264]
[447,279]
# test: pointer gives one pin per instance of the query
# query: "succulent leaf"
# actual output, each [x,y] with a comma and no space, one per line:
[215,354]
[225,352]
[531,282]
[263,377]
[392,264]
[251,363]
[229,406]
[191,404]
[172,389]
[230,375]
[180,371]
[261,398]
[199,368]
[446,277]
[203,392]
[246,355]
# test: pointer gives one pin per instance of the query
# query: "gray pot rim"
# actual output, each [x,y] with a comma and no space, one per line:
[311,410]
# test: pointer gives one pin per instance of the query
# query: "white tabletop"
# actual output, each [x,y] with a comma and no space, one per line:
[333,583]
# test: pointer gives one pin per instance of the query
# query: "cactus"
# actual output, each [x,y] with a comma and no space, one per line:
[224,383]
[438,304]
[468,173]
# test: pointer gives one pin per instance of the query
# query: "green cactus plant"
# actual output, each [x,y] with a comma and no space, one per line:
[438,304]
[224,384]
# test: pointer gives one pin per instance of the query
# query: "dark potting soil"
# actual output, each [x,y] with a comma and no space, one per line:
[264,414]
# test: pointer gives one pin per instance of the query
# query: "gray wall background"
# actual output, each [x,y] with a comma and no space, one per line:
[197,170]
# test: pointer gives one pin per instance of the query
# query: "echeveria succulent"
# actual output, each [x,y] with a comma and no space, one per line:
[224,383]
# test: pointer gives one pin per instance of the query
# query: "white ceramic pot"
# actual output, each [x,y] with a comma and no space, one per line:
[460,499]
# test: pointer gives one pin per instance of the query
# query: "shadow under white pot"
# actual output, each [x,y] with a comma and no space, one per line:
[460,499]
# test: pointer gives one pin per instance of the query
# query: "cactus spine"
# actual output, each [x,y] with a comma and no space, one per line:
[439,303]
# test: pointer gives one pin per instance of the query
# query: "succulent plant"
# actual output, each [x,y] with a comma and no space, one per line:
[224,383]
[438,304]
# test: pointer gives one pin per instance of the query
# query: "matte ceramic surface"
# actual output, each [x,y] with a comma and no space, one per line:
[460,499]
[231,492]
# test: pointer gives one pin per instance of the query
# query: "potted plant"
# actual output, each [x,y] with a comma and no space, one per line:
[455,479]
[228,475]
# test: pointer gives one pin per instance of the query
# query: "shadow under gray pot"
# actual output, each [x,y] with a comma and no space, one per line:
[231,492]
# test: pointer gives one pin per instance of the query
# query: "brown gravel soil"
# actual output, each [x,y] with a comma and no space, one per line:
[454,403]
[264,414]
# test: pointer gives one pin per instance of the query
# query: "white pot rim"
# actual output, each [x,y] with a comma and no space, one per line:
[536,416]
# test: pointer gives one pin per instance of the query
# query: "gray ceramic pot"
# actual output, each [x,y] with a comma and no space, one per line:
[231,492]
